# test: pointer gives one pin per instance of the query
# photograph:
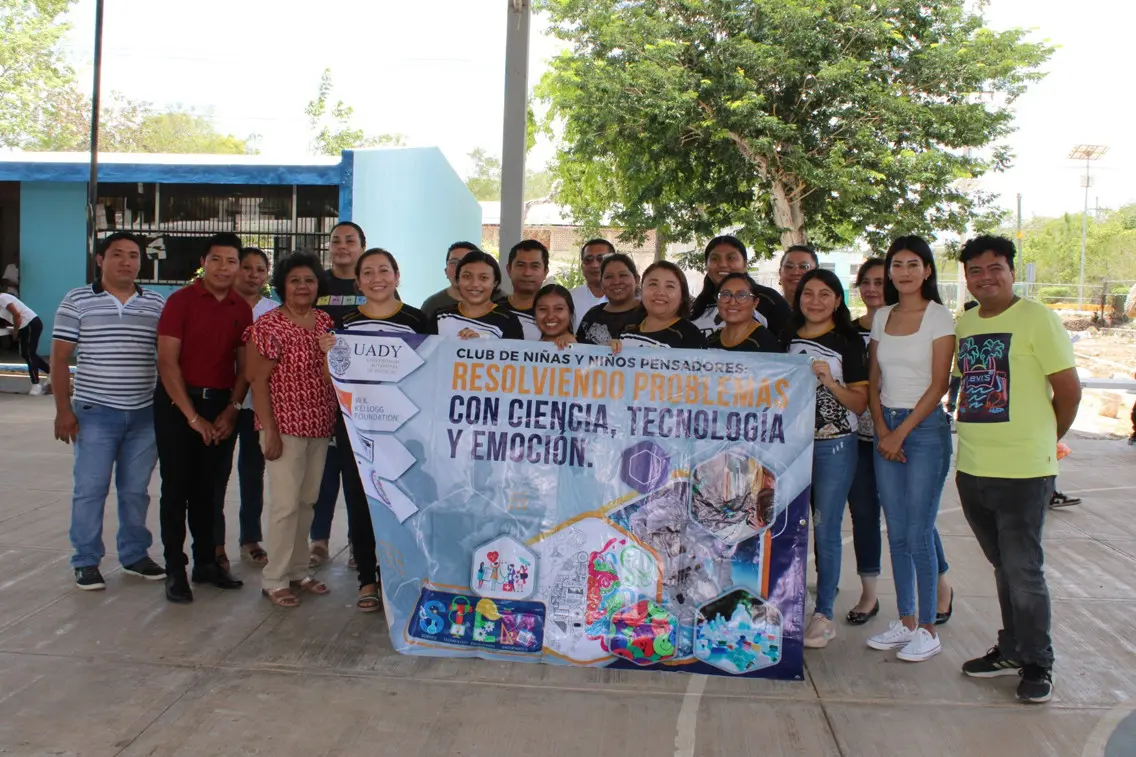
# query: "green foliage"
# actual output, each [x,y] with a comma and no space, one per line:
[1052,294]
[333,130]
[32,66]
[784,119]
[484,180]
[1054,245]
[570,277]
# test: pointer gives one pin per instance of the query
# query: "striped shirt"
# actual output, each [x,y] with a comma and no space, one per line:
[116,345]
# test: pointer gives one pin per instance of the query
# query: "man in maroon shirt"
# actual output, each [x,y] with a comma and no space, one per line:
[201,387]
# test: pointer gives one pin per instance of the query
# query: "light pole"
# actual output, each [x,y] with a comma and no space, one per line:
[1087,153]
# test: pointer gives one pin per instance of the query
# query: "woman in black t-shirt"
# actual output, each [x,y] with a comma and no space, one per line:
[554,312]
[620,285]
[737,297]
[666,301]
[725,255]
[822,329]
[478,275]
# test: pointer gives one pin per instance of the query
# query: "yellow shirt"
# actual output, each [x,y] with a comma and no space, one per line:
[1007,427]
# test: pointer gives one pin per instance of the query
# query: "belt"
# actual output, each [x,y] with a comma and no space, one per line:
[206,393]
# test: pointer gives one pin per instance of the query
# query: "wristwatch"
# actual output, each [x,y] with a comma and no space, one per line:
[237,406]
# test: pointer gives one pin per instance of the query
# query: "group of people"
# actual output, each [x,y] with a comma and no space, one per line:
[177,383]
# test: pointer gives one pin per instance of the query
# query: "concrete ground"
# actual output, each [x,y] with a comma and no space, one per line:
[122,672]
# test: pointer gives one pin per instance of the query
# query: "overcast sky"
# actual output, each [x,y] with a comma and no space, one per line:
[435,72]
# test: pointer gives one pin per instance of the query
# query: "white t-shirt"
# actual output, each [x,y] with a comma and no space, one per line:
[265,305]
[583,300]
[26,313]
[905,361]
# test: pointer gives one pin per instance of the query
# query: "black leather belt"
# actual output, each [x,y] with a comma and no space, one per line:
[206,393]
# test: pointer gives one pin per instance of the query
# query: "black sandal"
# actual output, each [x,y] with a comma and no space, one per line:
[943,617]
[860,618]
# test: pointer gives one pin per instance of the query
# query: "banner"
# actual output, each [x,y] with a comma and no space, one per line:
[647,509]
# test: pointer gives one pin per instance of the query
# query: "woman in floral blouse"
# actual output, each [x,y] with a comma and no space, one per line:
[295,414]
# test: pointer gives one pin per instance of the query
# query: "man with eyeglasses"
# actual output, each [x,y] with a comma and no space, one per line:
[449,296]
[588,295]
[795,263]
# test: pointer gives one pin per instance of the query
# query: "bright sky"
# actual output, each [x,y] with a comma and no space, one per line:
[435,71]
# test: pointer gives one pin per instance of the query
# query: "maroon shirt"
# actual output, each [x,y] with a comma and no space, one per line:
[210,332]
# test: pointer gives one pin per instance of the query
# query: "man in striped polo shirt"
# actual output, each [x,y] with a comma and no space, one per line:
[112,328]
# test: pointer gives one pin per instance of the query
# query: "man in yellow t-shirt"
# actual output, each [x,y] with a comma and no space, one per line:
[1020,393]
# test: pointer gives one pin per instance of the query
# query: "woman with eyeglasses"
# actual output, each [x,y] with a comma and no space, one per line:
[737,297]
[725,255]
[666,301]
[795,263]
[864,499]
[619,280]
[910,358]
[823,331]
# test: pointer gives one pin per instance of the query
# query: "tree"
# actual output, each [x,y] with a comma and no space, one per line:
[786,120]
[333,130]
[484,180]
[1054,246]
[32,66]
[131,126]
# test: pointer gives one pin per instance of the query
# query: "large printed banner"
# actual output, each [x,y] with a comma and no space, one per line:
[647,509]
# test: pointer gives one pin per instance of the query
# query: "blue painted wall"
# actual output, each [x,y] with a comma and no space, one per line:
[411,201]
[53,246]
[172,173]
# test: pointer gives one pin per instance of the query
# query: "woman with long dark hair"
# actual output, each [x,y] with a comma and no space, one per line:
[864,499]
[478,275]
[666,303]
[554,313]
[619,281]
[377,278]
[723,256]
[910,358]
[822,329]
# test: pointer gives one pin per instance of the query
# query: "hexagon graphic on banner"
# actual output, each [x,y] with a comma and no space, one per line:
[503,568]
[644,466]
[643,632]
[372,358]
[589,570]
[738,632]
[732,495]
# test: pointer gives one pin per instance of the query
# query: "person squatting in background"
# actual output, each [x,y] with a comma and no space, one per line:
[27,328]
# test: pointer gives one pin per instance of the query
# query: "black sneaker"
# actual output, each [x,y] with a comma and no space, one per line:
[992,665]
[89,578]
[1036,686]
[146,568]
[1060,500]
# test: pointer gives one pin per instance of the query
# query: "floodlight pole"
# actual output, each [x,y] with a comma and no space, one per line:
[515,132]
[1084,235]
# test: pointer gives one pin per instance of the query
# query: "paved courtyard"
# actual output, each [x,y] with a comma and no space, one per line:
[122,672]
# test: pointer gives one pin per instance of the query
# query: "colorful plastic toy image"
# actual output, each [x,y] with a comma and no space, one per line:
[644,633]
[738,633]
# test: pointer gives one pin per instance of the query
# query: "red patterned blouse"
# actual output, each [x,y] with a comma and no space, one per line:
[302,401]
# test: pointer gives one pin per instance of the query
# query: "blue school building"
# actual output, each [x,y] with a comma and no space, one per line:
[408,200]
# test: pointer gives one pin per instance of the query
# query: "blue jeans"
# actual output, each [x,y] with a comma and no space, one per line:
[909,494]
[122,441]
[864,507]
[834,466]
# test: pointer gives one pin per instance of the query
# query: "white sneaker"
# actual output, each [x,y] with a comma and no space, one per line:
[896,636]
[36,390]
[923,646]
[820,631]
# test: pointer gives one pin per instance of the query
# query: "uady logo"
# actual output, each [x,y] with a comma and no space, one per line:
[339,359]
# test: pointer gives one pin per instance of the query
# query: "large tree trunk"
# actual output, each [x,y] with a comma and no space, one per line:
[787,215]
[660,245]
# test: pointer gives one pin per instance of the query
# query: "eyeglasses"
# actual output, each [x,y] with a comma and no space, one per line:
[453,262]
[586,259]
[802,267]
[739,297]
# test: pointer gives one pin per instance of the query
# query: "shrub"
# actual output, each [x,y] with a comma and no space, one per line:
[1050,294]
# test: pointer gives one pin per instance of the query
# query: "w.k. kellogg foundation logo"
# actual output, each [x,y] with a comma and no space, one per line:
[339,359]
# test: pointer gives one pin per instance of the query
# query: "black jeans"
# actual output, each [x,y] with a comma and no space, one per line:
[28,339]
[1007,516]
[189,470]
[953,394]
[358,510]
[250,474]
